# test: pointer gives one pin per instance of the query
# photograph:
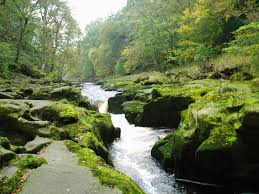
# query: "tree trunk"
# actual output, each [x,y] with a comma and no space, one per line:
[21,37]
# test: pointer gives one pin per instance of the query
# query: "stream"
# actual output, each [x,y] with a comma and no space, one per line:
[131,154]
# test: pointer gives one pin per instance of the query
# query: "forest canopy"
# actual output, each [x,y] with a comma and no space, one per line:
[144,35]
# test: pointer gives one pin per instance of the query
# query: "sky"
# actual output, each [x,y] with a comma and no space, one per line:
[85,11]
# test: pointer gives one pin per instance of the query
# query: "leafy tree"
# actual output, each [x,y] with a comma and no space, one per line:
[246,41]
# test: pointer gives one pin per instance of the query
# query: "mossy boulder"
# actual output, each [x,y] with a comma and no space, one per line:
[93,130]
[28,161]
[59,112]
[133,111]
[241,76]
[115,103]
[216,140]
[5,156]
[165,111]
[163,152]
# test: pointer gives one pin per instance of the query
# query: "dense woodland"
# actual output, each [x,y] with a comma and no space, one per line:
[144,35]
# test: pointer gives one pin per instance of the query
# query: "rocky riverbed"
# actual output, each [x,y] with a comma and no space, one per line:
[215,121]
[51,136]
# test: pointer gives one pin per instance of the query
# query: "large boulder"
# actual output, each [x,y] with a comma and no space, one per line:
[133,111]
[165,111]
[216,140]
[115,103]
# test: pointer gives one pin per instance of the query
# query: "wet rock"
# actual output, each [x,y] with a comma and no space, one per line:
[117,132]
[115,103]
[36,145]
[133,111]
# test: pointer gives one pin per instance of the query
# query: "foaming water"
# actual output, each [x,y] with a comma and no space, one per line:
[95,93]
[131,154]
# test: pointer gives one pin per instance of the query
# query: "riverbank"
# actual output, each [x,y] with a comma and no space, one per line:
[39,117]
[216,122]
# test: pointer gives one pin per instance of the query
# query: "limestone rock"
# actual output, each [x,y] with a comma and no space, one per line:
[37,144]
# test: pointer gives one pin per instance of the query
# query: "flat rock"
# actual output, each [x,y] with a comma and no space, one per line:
[8,173]
[44,132]
[37,144]
[63,175]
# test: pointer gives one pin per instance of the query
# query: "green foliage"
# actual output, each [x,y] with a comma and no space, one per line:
[246,41]
[119,69]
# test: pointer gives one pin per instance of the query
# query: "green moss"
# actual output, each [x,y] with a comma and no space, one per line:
[8,186]
[106,174]
[220,124]
[163,151]
[31,162]
[133,111]
[92,130]
[221,138]
[59,112]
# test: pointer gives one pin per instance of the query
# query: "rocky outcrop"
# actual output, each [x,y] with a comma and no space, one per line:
[216,139]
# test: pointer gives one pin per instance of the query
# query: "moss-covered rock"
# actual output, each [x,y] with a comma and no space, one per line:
[62,113]
[93,130]
[241,76]
[221,124]
[4,142]
[5,156]
[165,111]
[106,174]
[133,111]
[115,103]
